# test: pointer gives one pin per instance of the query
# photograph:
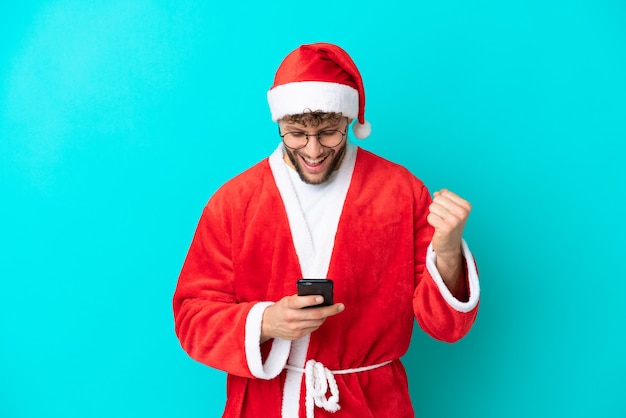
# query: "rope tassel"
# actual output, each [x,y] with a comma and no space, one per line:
[318,381]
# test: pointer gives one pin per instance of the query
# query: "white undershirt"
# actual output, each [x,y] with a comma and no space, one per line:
[318,202]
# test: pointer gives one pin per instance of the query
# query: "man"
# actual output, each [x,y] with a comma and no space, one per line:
[320,207]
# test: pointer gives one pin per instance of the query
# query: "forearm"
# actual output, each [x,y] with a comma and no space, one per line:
[442,314]
[454,274]
[213,333]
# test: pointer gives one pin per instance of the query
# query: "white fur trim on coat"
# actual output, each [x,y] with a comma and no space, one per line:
[472,276]
[297,97]
[279,353]
[312,264]
[293,380]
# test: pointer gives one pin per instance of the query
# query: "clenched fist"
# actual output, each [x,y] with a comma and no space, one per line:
[448,215]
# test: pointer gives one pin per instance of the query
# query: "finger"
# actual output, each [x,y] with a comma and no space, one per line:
[299,302]
[450,211]
[447,200]
[454,198]
[438,223]
[446,207]
[322,312]
[441,210]
[332,310]
[443,220]
[309,320]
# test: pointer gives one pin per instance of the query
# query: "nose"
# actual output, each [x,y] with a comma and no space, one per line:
[313,148]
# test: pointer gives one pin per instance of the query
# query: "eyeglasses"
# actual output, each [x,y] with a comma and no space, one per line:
[328,138]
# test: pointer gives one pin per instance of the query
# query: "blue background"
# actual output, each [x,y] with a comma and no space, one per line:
[118,120]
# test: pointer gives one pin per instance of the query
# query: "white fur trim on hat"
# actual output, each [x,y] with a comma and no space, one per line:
[301,96]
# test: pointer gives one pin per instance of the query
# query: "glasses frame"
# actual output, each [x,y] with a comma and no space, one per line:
[307,135]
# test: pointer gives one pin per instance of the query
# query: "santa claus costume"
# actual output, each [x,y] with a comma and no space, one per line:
[365,228]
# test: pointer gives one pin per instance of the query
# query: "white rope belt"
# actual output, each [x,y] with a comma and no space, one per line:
[319,379]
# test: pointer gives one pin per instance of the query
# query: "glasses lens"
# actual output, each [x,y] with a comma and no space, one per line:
[295,140]
[330,138]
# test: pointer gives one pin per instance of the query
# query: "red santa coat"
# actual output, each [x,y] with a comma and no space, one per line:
[248,251]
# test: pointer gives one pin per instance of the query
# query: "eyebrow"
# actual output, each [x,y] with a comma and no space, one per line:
[323,128]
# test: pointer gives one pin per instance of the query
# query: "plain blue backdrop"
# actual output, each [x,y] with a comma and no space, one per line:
[119,119]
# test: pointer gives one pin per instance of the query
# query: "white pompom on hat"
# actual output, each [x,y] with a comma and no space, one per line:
[322,77]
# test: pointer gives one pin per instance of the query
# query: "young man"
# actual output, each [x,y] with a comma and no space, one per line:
[320,207]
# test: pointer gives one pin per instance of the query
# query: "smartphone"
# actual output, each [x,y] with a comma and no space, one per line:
[322,287]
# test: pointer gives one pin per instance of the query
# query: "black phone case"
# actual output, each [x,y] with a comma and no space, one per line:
[322,287]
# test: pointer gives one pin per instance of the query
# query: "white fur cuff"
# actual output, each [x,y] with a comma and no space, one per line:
[472,276]
[279,353]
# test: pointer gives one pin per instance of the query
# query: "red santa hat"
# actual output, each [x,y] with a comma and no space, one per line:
[322,77]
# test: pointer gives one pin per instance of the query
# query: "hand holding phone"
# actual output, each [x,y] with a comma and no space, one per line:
[288,319]
[323,287]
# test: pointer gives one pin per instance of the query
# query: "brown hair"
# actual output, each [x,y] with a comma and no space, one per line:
[313,118]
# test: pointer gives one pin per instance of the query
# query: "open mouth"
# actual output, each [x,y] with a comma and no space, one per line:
[314,165]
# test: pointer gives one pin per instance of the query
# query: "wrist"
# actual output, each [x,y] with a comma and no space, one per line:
[449,260]
[265,332]
[452,272]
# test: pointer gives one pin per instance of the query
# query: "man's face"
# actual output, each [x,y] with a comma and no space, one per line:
[315,163]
